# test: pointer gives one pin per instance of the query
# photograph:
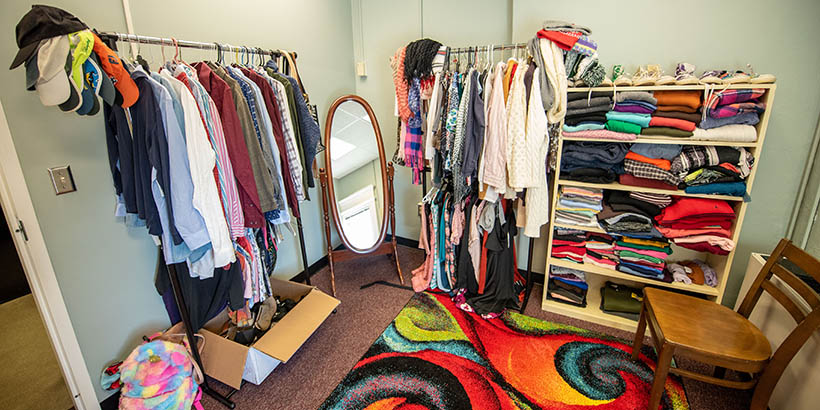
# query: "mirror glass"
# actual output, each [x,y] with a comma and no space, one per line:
[356,175]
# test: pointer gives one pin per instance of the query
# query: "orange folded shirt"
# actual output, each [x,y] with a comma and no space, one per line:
[691,99]
[659,162]
[672,122]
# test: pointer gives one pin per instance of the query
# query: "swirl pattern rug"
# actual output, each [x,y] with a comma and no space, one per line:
[435,356]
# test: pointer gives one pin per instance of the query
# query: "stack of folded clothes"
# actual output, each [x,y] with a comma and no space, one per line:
[643,257]
[600,251]
[638,102]
[649,165]
[676,115]
[586,112]
[569,244]
[627,219]
[730,115]
[578,206]
[598,162]
[567,285]
[694,271]
[698,223]
[621,300]
[713,170]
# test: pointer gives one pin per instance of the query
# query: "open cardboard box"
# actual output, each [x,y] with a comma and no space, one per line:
[230,362]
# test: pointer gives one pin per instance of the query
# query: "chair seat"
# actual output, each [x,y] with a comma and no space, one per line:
[706,327]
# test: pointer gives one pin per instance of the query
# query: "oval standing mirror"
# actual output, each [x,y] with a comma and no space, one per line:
[357,176]
[357,182]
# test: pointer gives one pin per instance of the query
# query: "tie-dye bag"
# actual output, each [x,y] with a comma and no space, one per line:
[159,375]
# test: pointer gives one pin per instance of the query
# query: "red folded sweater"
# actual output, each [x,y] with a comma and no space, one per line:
[684,208]
[672,123]
[631,180]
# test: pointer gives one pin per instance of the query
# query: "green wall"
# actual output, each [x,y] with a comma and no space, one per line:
[775,38]
[104,269]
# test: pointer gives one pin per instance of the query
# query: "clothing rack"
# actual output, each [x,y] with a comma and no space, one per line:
[172,272]
[489,47]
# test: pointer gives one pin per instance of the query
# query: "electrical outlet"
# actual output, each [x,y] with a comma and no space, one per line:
[62,179]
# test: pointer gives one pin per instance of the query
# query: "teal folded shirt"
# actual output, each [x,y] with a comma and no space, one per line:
[631,117]
[583,127]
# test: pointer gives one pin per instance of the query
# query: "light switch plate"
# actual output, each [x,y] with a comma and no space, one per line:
[62,179]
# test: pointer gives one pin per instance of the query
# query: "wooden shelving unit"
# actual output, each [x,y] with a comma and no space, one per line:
[596,276]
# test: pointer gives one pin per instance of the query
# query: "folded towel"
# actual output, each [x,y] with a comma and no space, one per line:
[733,132]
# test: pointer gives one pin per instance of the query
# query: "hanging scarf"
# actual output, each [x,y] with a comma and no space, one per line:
[413,144]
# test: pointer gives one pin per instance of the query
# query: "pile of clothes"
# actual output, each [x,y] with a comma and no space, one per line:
[650,165]
[621,300]
[713,170]
[600,250]
[571,44]
[569,244]
[599,162]
[677,114]
[730,115]
[693,271]
[567,286]
[627,216]
[587,115]
[699,224]
[643,257]
[578,206]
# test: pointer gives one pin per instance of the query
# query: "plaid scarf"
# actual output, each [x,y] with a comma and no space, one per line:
[649,171]
[694,157]
[727,97]
[413,154]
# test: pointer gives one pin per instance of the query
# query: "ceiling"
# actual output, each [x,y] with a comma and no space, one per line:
[352,139]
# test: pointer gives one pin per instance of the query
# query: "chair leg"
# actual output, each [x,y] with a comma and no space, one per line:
[661,371]
[639,335]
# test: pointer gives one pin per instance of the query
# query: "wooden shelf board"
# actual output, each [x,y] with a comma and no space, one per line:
[592,312]
[671,87]
[618,187]
[595,270]
[668,140]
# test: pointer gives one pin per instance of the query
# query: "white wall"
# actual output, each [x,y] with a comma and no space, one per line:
[779,39]
[104,269]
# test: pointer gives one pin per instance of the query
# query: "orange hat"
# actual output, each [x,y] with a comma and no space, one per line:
[112,65]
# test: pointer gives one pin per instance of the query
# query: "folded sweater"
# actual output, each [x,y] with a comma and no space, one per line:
[733,132]
[689,98]
[639,119]
[672,123]
[666,132]
[622,126]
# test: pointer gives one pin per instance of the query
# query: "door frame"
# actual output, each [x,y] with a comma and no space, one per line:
[33,253]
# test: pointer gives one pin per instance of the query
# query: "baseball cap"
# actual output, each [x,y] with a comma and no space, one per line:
[82,44]
[75,99]
[52,81]
[113,67]
[91,89]
[40,23]
[106,90]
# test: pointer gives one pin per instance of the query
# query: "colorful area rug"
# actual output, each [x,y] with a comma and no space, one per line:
[435,356]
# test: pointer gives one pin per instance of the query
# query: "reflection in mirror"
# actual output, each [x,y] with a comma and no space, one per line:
[356,175]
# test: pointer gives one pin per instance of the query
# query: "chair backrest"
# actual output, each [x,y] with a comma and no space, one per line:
[807,322]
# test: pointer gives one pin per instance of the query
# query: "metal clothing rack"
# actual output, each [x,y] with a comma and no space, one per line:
[172,272]
[474,51]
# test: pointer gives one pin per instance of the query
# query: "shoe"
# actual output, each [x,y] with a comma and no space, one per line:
[685,74]
[606,83]
[266,313]
[711,77]
[737,77]
[665,79]
[647,76]
[760,78]
[620,77]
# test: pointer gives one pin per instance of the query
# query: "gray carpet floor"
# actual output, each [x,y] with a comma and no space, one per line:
[30,377]
[314,371]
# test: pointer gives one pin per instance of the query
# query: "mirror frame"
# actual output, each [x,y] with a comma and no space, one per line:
[329,169]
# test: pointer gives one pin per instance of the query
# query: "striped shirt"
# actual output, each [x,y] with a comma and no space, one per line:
[224,169]
[291,149]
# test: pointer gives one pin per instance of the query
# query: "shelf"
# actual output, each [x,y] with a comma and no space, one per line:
[618,187]
[595,270]
[672,87]
[667,140]
[592,312]
[578,227]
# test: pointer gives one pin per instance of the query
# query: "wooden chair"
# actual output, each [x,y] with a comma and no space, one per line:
[716,335]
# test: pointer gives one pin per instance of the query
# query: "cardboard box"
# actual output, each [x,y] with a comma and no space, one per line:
[230,362]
